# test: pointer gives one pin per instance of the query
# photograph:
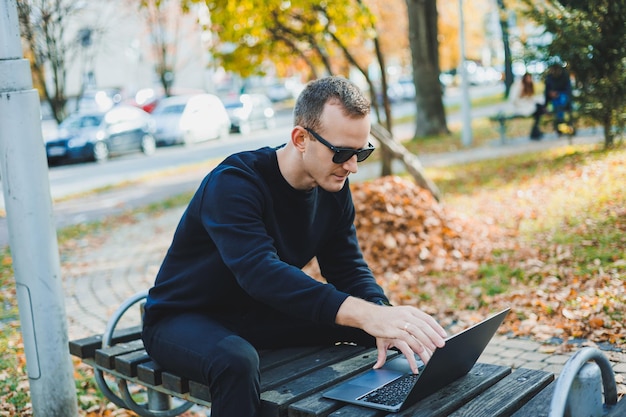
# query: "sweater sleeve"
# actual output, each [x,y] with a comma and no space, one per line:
[342,263]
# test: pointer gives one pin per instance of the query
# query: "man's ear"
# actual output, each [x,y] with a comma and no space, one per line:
[298,135]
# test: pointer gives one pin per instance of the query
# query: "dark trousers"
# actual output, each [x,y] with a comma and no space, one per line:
[221,351]
[535,131]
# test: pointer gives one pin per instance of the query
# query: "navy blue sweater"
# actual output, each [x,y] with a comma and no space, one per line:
[243,239]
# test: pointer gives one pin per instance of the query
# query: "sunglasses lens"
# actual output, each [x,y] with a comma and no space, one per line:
[342,155]
[364,154]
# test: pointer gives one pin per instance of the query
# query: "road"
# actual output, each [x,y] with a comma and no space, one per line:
[76,179]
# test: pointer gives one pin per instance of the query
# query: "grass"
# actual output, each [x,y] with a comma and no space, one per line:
[566,202]
[13,377]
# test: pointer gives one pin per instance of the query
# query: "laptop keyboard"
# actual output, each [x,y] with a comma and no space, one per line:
[392,393]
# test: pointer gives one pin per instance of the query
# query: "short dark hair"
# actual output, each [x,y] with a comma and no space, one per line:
[310,103]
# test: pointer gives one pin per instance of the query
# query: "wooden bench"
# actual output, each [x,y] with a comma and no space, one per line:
[502,119]
[566,128]
[293,381]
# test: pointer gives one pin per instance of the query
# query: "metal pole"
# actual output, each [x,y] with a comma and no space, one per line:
[466,133]
[32,235]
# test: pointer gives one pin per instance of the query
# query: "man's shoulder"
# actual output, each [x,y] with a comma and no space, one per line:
[248,157]
[247,166]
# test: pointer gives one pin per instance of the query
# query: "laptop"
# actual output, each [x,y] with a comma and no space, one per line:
[394,387]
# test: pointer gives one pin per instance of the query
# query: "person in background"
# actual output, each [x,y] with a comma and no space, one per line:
[232,281]
[523,102]
[558,95]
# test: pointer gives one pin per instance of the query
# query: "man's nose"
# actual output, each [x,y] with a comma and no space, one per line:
[351,165]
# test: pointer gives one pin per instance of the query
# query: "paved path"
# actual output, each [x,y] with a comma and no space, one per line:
[101,271]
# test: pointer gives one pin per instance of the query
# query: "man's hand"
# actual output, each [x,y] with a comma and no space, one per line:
[407,328]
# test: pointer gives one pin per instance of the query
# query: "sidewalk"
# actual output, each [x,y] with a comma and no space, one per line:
[101,271]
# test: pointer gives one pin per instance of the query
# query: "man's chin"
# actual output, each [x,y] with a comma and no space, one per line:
[335,185]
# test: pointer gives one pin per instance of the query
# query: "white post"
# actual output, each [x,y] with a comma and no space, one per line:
[32,235]
[466,132]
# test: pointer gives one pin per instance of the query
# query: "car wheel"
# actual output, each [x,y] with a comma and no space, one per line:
[100,151]
[148,145]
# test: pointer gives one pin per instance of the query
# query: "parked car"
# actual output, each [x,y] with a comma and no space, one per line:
[278,92]
[99,100]
[95,136]
[250,111]
[148,98]
[189,119]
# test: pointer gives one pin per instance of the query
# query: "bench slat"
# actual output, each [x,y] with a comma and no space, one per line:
[86,347]
[306,364]
[127,364]
[539,406]
[356,411]
[200,391]
[106,357]
[513,390]
[149,373]
[276,399]
[316,405]
[174,382]
[273,358]
[481,377]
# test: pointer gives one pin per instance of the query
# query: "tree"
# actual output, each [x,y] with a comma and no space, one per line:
[50,48]
[327,39]
[508,61]
[335,38]
[589,38]
[167,27]
[423,38]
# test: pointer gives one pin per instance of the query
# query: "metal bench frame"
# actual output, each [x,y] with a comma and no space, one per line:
[158,404]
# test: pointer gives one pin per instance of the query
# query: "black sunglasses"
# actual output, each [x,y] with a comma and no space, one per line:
[343,154]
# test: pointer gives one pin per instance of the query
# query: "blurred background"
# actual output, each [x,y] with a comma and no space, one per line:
[91,56]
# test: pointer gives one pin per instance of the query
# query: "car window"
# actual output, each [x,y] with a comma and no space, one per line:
[170,109]
[122,114]
[233,105]
[83,121]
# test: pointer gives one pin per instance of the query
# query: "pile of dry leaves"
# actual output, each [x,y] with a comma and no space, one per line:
[425,254]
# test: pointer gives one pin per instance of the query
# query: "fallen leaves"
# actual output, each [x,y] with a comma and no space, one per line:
[426,254]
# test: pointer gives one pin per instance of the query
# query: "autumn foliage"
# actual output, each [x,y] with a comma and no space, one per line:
[427,255]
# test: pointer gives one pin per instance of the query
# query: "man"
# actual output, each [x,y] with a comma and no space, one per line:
[558,95]
[557,83]
[231,282]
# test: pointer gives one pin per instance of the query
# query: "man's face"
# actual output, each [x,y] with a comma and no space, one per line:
[339,131]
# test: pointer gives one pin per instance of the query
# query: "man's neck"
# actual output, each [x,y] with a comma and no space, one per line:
[292,171]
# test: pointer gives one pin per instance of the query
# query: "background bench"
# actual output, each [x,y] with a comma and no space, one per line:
[502,119]
[566,128]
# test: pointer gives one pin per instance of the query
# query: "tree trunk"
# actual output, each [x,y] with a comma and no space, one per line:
[508,62]
[411,162]
[387,157]
[608,132]
[423,33]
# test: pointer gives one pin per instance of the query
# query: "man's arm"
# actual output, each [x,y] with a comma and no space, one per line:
[407,328]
